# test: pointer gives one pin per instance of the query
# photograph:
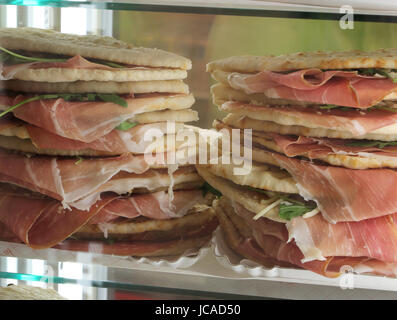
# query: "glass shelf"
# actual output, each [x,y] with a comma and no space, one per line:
[385,11]
[207,278]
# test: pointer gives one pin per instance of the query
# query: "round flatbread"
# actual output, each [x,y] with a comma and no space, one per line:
[120,75]
[383,58]
[145,229]
[262,145]
[136,87]
[222,93]
[250,199]
[261,176]
[88,46]
[271,120]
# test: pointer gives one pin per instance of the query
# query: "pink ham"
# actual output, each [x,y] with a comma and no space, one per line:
[83,121]
[116,141]
[354,121]
[79,184]
[331,267]
[315,148]
[151,205]
[63,179]
[343,244]
[317,238]
[374,238]
[76,62]
[39,222]
[42,222]
[344,194]
[139,248]
[342,88]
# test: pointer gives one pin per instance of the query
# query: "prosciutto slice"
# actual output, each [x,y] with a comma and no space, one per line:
[76,62]
[374,238]
[357,122]
[342,88]
[344,194]
[116,141]
[63,179]
[315,148]
[42,222]
[317,238]
[330,267]
[155,205]
[269,245]
[82,121]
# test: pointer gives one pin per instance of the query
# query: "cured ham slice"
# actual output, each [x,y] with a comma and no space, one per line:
[356,122]
[342,88]
[42,222]
[269,246]
[116,141]
[155,205]
[88,121]
[374,238]
[63,179]
[76,62]
[315,148]
[330,267]
[344,194]
[316,238]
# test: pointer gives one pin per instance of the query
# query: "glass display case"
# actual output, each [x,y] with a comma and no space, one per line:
[203,31]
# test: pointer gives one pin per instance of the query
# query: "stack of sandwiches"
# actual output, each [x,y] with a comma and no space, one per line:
[89,152]
[322,192]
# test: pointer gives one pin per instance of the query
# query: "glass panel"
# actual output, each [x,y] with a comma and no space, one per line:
[329,10]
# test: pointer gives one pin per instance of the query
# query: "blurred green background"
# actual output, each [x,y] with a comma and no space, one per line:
[203,38]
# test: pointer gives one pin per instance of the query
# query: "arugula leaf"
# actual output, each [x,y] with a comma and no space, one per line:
[329,106]
[110,97]
[109,241]
[373,71]
[332,106]
[124,126]
[114,98]
[374,144]
[32,59]
[290,209]
[206,187]
[108,63]
[385,108]
[80,160]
